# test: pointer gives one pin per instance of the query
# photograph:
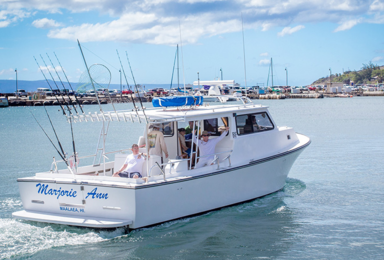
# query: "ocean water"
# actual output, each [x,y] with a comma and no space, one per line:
[332,206]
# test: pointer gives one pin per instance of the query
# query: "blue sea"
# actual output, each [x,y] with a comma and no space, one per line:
[332,206]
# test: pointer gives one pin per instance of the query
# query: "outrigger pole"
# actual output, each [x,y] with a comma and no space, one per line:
[126,80]
[62,108]
[89,74]
[146,119]
[62,69]
[70,100]
[69,110]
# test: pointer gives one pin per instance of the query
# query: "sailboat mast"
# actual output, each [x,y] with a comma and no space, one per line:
[245,68]
[272,71]
[178,75]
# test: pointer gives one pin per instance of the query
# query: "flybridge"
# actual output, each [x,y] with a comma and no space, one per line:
[156,115]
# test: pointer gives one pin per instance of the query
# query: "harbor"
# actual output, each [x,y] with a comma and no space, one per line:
[324,201]
[156,130]
[51,101]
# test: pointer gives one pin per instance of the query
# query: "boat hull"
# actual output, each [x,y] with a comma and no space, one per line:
[107,205]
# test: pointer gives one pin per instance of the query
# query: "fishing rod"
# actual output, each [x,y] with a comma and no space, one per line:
[73,143]
[141,103]
[125,76]
[50,87]
[70,100]
[53,128]
[62,69]
[65,103]
[57,150]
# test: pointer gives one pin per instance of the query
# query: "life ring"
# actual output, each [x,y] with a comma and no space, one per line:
[35,97]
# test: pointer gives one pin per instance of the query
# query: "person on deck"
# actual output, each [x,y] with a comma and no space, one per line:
[188,130]
[185,151]
[207,146]
[133,165]
[156,142]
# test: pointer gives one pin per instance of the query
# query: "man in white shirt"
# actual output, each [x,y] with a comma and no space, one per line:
[133,165]
[207,146]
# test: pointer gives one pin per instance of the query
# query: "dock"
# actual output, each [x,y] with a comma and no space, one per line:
[51,101]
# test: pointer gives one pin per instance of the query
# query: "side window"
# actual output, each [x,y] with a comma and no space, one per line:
[210,125]
[240,123]
[213,125]
[253,123]
[262,122]
[167,129]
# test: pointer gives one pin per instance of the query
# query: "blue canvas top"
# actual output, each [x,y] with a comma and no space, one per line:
[177,101]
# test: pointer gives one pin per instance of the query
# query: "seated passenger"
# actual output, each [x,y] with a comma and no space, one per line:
[207,147]
[185,151]
[255,125]
[248,126]
[133,165]
[188,130]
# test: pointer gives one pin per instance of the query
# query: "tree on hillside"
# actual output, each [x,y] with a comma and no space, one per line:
[357,78]
[380,75]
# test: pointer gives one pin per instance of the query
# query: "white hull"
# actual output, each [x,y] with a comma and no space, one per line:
[122,204]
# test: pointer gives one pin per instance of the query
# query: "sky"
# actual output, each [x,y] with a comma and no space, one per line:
[305,39]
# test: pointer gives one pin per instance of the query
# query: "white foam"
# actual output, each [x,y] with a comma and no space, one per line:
[22,238]
[10,203]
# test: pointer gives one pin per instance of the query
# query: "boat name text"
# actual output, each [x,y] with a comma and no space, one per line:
[43,189]
[96,195]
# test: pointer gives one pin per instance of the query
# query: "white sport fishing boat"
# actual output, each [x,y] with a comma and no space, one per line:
[252,160]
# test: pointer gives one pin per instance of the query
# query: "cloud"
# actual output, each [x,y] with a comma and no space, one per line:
[8,17]
[50,69]
[289,30]
[157,21]
[46,23]
[377,5]
[148,28]
[376,59]
[7,71]
[347,25]
[264,54]
[264,62]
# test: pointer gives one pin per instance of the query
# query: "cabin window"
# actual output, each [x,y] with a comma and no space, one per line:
[253,123]
[213,125]
[167,129]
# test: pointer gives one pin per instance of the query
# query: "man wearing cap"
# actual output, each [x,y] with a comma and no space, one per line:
[156,142]
[133,165]
[207,146]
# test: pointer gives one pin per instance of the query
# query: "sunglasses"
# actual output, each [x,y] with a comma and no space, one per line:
[205,135]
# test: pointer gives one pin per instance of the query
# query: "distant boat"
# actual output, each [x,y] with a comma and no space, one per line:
[344,95]
[3,102]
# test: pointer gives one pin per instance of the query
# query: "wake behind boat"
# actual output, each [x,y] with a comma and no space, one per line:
[253,159]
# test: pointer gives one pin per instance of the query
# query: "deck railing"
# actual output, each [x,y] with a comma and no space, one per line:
[215,160]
